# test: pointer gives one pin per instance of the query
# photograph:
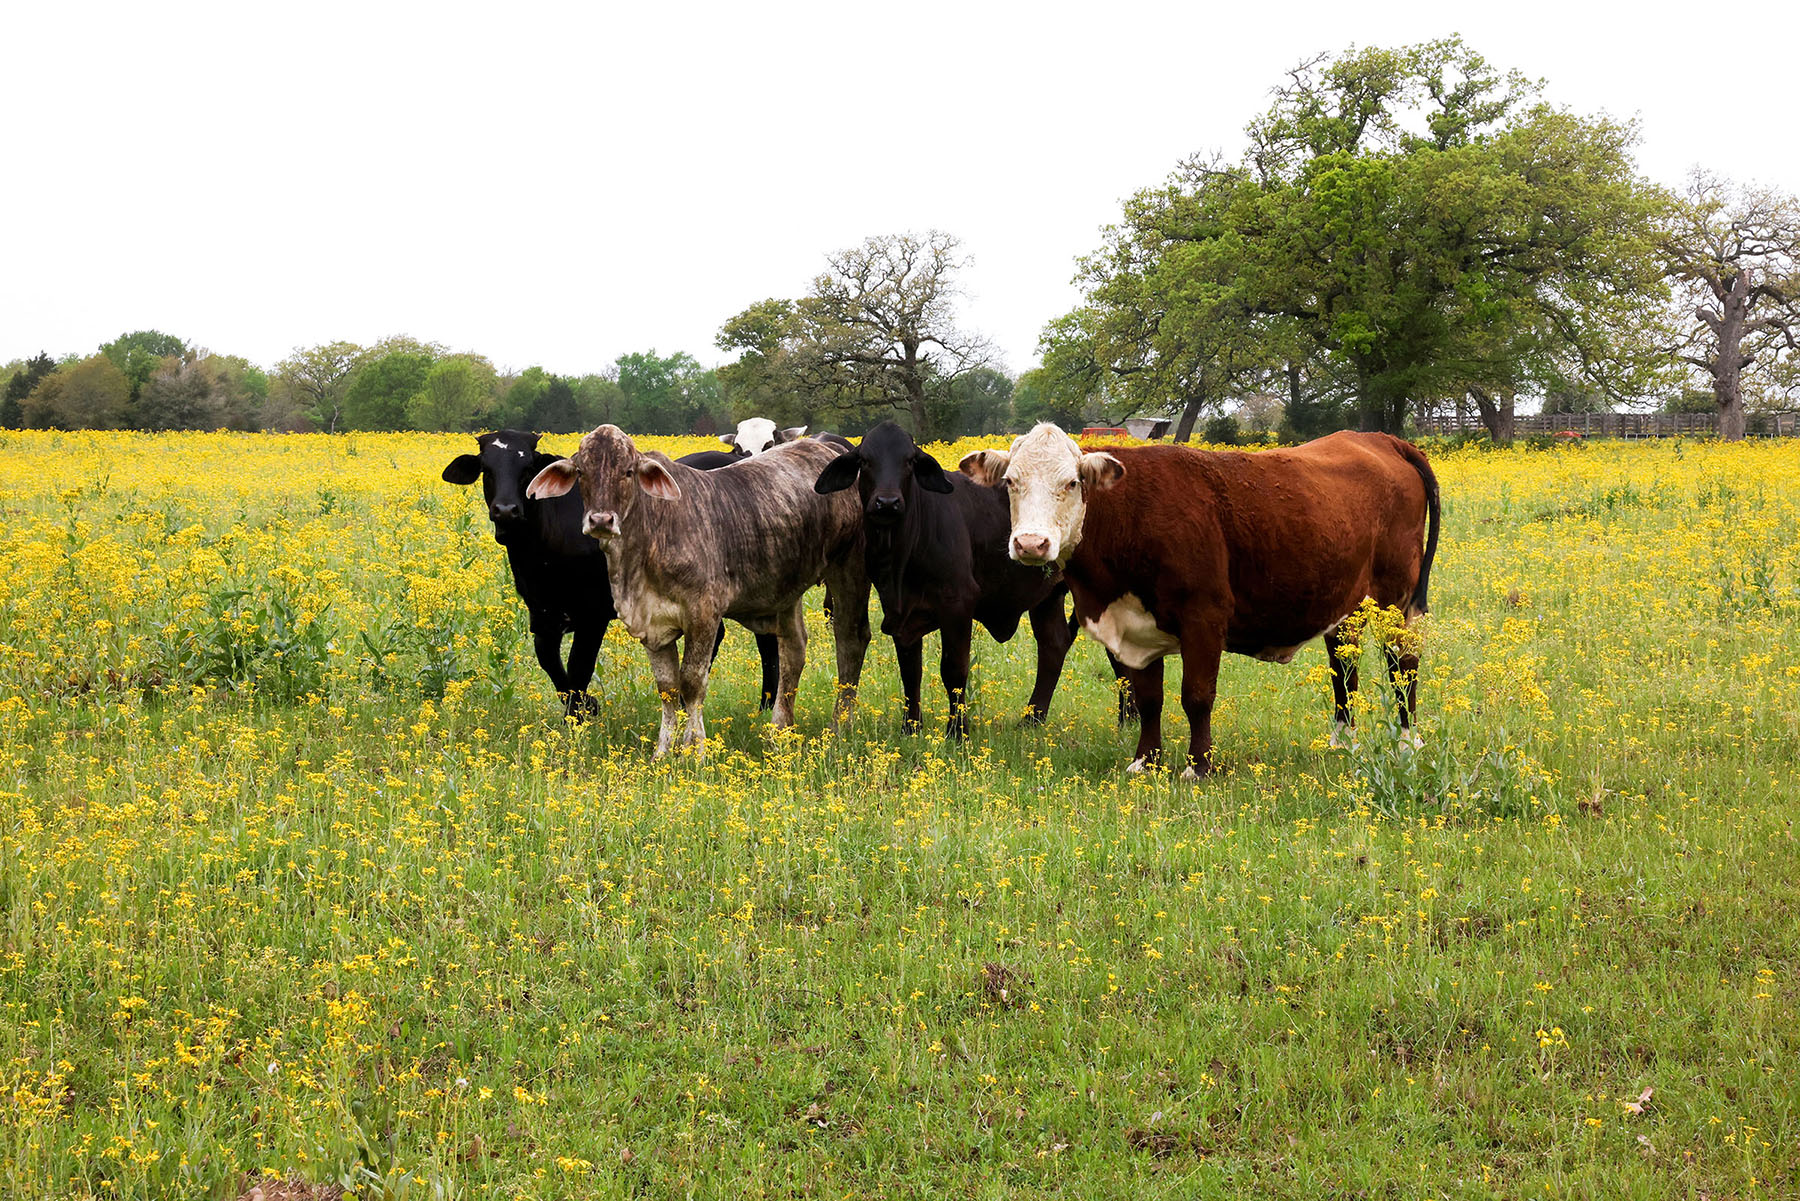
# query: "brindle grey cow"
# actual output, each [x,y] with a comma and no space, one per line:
[686,548]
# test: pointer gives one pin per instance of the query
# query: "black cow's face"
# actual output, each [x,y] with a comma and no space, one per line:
[505,463]
[886,468]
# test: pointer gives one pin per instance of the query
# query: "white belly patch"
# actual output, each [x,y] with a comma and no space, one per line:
[1130,633]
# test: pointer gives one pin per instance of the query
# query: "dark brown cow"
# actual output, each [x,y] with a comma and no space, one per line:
[1169,550]
[686,548]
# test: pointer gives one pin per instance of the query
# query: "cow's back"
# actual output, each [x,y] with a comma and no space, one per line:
[754,535]
[1278,545]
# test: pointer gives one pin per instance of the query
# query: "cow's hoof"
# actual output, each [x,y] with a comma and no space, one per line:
[1189,773]
[1031,721]
[1343,737]
[1137,767]
[1413,739]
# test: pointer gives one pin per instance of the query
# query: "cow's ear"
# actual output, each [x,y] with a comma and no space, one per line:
[729,440]
[985,466]
[839,474]
[463,469]
[793,434]
[1100,471]
[655,480]
[929,472]
[555,480]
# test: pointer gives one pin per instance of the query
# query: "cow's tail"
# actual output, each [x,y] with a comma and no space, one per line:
[1421,601]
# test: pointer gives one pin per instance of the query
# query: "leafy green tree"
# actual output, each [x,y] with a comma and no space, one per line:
[978,401]
[1412,220]
[1317,400]
[1160,328]
[598,401]
[457,394]
[761,382]
[178,396]
[21,384]
[202,391]
[92,394]
[557,410]
[1045,395]
[384,381]
[669,395]
[522,399]
[139,355]
[314,379]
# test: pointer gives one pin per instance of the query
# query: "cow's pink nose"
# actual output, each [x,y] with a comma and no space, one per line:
[1031,547]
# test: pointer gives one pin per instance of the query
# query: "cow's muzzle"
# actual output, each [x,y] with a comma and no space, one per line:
[1034,550]
[600,525]
[886,508]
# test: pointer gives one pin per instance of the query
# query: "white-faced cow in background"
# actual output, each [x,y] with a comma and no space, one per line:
[754,435]
[1170,550]
[686,548]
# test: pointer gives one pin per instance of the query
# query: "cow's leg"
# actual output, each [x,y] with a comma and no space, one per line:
[1343,687]
[953,670]
[1054,636]
[696,669]
[790,634]
[1403,671]
[847,596]
[665,669]
[1147,687]
[584,649]
[912,670]
[1201,648]
[768,652]
[1128,705]
[546,641]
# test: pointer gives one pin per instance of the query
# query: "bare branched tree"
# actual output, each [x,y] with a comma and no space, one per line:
[880,325]
[1734,253]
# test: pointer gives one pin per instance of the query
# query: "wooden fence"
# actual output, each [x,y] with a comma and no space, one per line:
[1616,425]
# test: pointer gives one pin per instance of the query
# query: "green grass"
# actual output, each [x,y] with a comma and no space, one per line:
[452,947]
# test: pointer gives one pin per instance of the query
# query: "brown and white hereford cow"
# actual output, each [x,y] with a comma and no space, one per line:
[685,548]
[1170,550]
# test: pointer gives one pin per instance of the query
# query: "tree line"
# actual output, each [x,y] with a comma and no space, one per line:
[1408,231]
[1413,230]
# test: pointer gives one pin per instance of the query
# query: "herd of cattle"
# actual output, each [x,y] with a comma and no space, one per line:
[1164,550]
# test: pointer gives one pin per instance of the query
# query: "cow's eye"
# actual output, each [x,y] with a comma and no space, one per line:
[1071,485]
[1005,483]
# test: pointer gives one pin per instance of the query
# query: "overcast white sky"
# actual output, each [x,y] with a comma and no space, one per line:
[559,185]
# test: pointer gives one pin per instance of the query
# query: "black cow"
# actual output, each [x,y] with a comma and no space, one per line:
[559,572]
[935,547]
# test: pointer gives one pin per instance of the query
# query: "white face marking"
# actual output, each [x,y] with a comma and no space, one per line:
[1129,631]
[499,445]
[755,435]
[1043,486]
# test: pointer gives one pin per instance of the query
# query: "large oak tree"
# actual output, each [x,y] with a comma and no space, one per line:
[1414,217]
